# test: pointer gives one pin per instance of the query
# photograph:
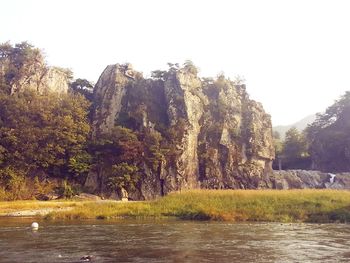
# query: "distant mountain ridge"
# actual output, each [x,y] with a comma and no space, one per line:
[300,125]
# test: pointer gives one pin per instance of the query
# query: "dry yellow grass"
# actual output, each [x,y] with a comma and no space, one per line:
[13,206]
[228,205]
[261,205]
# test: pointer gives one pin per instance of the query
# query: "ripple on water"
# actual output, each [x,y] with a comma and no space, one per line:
[175,241]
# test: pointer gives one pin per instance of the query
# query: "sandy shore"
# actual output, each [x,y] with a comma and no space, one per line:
[34,212]
[58,207]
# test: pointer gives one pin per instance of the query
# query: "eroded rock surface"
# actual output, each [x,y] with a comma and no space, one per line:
[24,68]
[301,179]
[214,136]
[43,79]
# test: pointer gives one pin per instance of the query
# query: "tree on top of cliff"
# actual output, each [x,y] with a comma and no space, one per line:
[190,67]
[84,87]
[239,80]
[17,64]
[173,67]
[158,74]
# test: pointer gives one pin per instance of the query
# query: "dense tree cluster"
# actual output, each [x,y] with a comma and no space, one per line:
[17,64]
[324,145]
[329,137]
[293,152]
[43,137]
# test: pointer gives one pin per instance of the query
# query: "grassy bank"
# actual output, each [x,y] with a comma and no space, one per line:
[226,205]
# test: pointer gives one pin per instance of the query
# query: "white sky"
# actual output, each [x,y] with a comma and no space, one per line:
[294,55]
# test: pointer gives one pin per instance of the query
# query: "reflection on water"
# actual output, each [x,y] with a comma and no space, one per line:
[173,241]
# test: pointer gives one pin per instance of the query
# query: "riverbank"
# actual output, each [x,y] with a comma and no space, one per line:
[319,206]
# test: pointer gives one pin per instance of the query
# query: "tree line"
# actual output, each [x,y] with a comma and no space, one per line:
[324,145]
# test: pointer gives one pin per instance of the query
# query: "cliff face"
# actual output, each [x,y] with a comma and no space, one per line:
[214,136]
[301,179]
[33,75]
[184,110]
[109,91]
[43,79]
[56,80]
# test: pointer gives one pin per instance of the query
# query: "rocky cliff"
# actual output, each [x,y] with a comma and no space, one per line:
[43,79]
[209,133]
[23,67]
[301,179]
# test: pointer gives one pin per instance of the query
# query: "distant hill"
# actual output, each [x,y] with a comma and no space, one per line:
[300,125]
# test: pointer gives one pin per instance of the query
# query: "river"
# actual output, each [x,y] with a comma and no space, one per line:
[172,241]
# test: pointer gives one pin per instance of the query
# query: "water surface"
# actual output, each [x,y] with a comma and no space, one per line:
[172,241]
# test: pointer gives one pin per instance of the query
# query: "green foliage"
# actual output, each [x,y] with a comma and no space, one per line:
[79,165]
[158,74]
[2,154]
[42,188]
[42,131]
[134,119]
[116,155]
[15,185]
[13,182]
[172,138]
[123,176]
[65,190]
[329,137]
[294,154]
[38,187]
[190,67]
[217,90]
[322,206]
[294,144]
[18,63]
[278,145]
[173,67]
[119,145]
[40,134]
[83,87]
[154,154]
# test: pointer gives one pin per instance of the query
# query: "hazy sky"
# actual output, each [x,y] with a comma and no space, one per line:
[294,55]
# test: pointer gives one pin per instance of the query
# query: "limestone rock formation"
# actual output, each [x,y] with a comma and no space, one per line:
[56,80]
[109,92]
[44,79]
[23,67]
[211,134]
